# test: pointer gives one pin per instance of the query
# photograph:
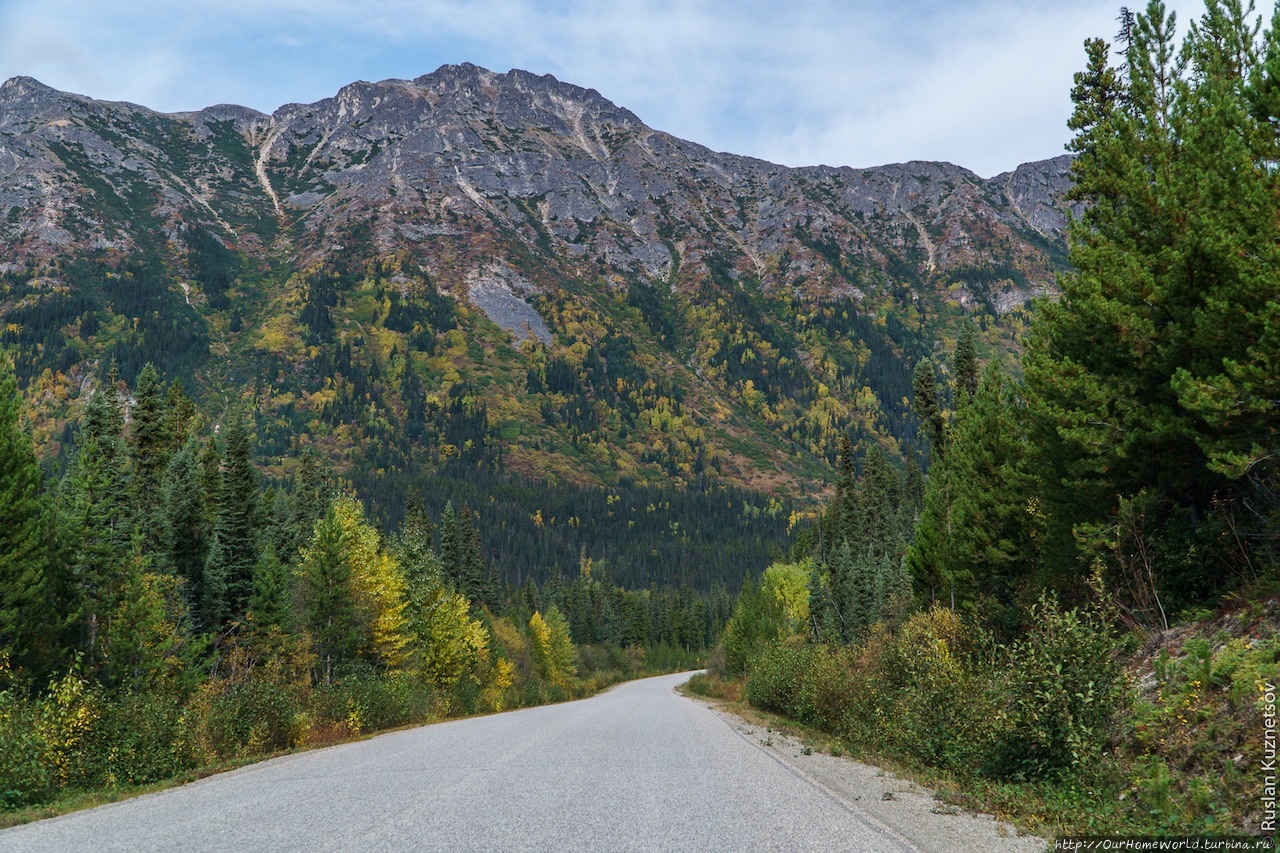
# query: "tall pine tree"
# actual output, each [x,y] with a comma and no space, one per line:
[1148,376]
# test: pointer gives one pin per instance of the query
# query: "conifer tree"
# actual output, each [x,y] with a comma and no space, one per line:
[148,450]
[270,603]
[328,604]
[451,546]
[103,410]
[93,522]
[144,649]
[849,523]
[927,404]
[475,581]
[185,524]
[25,586]
[994,501]
[312,492]
[977,534]
[881,494]
[861,605]
[179,420]
[842,587]
[966,365]
[233,550]
[1139,374]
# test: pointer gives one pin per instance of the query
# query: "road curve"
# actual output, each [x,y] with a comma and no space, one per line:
[636,768]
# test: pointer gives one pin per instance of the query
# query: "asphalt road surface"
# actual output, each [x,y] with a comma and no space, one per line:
[636,768]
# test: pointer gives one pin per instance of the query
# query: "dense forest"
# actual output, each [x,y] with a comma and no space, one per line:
[167,607]
[1073,614]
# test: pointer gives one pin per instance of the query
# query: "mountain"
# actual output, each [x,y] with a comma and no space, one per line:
[503,270]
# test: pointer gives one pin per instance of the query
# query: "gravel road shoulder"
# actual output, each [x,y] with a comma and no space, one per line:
[900,804]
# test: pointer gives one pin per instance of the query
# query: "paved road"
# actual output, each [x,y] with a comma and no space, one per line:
[636,768]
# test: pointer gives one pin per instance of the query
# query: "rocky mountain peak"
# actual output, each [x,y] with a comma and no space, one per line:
[556,216]
[24,87]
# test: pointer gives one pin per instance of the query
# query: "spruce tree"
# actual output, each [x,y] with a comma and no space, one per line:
[25,587]
[270,603]
[475,582]
[179,420]
[148,451]
[144,649]
[841,584]
[329,609]
[927,404]
[848,518]
[966,365]
[451,546]
[978,534]
[993,498]
[93,523]
[233,551]
[185,522]
[312,492]
[881,493]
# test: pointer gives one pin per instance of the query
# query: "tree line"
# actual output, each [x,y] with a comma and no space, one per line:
[163,578]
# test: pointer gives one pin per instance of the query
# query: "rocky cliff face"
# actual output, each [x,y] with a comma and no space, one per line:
[455,163]
[526,199]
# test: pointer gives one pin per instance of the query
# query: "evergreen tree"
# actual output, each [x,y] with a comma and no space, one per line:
[148,450]
[185,525]
[1140,375]
[233,551]
[861,606]
[25,614]
[849,525]
[927,404]
[473,574]
[328,604]
[278,530]
[994,501]
[842,589]
[966,365]
[103,411]
[179,420]
[144,649]
[977,534]
[452,553]
[881,493]
[93,523]
[312,492]
[270,604]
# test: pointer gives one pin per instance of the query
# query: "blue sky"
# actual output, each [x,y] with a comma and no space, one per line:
[982,83]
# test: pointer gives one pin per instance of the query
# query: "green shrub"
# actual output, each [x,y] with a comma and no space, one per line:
[137,738]
[1064,692]
[25,762]
[773,683]
[240,720]
[935,697]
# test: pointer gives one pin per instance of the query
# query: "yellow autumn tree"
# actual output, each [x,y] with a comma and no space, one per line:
[377,586]
[551,646]
[453,645]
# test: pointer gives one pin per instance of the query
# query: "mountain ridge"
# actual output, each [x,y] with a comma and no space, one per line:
[699,299]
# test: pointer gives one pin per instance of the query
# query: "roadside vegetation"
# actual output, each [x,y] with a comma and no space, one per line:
[1074,621]
[166,612]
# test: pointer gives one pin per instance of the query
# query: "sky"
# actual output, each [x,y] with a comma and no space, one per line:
[981,83]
